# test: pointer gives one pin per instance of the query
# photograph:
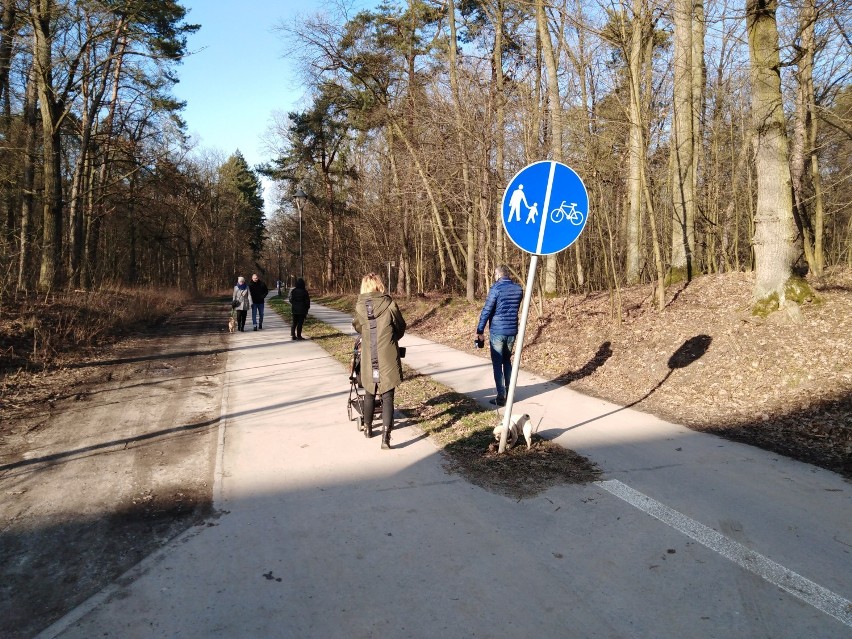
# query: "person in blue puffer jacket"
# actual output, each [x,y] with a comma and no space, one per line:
[501,313]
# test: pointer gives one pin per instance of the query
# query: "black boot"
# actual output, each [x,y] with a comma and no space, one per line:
[386,437]
[368,429]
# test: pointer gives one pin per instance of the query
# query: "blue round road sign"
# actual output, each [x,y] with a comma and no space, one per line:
[545,208]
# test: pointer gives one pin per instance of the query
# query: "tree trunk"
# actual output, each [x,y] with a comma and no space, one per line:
[404,282]
[581,65]
[75,217]
[774,228]
[699,82]
[635,144]
[683,147]
[819,209]
[28,179]
[52,198]
[10,197]
[7,32]
[469,212]
[555,121]
[500,125]
[813,223]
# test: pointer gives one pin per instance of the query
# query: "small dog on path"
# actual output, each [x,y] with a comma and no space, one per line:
[517,424]
[232,324]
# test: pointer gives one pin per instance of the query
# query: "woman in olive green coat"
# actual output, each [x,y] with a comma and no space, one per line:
[389,329]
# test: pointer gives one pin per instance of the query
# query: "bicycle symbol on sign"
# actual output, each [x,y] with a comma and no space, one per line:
[566,212]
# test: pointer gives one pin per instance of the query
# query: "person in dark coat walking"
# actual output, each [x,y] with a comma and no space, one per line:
[381,374]
[243,300]
[258,292]
[501,313]
[300,303]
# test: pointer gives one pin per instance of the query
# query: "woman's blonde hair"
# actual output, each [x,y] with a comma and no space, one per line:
[372,283]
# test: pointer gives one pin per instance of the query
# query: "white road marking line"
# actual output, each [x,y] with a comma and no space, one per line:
[812,593]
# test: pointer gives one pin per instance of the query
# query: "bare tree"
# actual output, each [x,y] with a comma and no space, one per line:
[683,145]
[554,102]
[774,228]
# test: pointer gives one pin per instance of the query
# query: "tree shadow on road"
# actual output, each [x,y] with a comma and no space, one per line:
[603,353]
[690,351]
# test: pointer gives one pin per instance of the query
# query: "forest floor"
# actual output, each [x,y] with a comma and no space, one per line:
[108,452]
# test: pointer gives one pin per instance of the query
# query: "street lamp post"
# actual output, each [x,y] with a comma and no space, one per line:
[299,197]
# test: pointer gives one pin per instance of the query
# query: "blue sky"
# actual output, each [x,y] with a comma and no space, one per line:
[237,77]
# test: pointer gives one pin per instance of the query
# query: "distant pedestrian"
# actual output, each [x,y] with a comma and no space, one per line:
[243,299]
[258,293]
[300,303]
[501,313]
[381,325]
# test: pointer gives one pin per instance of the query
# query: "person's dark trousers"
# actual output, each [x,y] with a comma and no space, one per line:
[501,361]
[296,328]
[387,414]
[241,320]
[257,315]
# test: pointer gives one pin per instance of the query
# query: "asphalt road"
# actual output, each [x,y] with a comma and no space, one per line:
[322,534]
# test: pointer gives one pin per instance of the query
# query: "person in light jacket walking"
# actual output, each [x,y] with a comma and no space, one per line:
[300,303]
[243,299]
[381,367]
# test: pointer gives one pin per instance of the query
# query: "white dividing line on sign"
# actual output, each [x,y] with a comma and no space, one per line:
[820,598]
[546,208]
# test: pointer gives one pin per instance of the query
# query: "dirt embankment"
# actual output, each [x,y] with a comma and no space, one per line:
[104,460]
[783,383]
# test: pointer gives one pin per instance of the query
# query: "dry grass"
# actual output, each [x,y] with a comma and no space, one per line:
[39,331]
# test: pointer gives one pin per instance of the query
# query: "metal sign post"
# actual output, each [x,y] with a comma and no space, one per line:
[516,360]
[540,231]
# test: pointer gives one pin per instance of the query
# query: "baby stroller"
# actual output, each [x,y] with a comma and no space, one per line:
[355,405]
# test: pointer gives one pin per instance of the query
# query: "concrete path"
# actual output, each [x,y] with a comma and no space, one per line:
[322,534]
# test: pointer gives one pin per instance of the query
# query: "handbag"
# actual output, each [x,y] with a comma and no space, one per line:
[234,304]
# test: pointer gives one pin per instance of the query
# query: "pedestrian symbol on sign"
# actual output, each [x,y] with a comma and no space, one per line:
[532,213]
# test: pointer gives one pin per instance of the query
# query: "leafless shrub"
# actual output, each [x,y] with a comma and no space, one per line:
[38,331]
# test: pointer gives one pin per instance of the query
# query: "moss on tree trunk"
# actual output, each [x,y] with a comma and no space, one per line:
[796,289]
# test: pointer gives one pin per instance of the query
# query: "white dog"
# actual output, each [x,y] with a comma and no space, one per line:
[517,424]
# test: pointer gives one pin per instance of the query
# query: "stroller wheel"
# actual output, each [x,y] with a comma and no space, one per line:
[359,422]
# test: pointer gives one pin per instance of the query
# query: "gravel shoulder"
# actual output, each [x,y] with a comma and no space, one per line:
[104,460]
